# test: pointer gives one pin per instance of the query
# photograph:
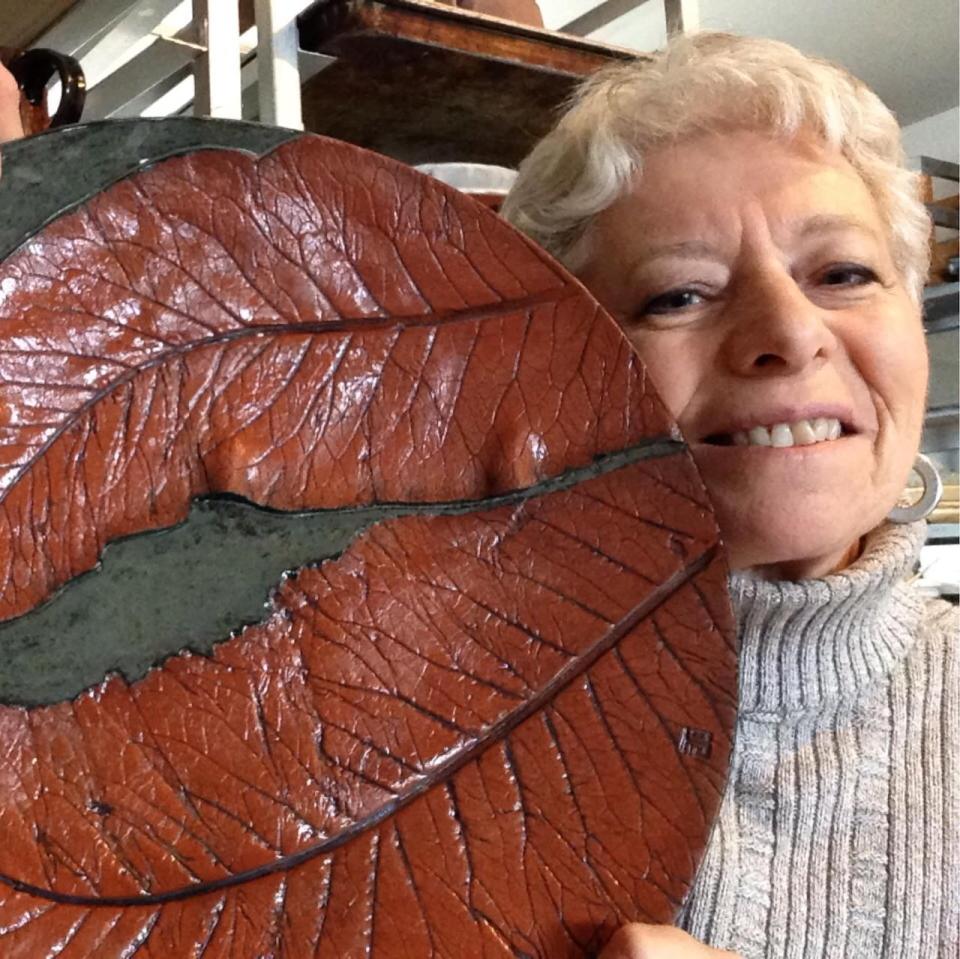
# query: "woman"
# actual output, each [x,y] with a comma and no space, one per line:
[744,212]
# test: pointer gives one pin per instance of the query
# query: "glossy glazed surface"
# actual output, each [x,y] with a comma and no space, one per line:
[497,725]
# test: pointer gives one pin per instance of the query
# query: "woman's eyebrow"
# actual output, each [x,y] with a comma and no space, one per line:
[690,249]
[834,223]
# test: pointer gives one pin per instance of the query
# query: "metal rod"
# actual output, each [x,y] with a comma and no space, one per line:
[85,25]
[599,17]
[941,307]
[683,16]
[944,169]
[217,72]
[944,216]
[140,81]
[277,69]
[940,414]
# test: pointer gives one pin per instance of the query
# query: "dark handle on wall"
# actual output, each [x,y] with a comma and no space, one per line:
[33,69]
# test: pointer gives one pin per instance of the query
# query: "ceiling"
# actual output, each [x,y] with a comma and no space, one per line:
[907,51]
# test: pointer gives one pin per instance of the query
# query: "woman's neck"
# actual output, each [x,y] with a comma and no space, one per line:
[812,568]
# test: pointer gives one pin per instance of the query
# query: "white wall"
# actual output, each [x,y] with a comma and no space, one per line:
[937,136]
[906,50]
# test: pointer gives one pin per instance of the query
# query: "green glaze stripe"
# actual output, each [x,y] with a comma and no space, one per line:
[192,585]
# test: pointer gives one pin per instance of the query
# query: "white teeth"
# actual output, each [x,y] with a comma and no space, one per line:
[801,433]
[781,435]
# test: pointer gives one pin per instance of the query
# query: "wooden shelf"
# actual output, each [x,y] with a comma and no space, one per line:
[426,82]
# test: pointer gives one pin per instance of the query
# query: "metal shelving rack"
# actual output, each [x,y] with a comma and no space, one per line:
[941,319]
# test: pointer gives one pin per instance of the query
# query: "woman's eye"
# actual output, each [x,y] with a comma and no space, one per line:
[671,302]
[849,274]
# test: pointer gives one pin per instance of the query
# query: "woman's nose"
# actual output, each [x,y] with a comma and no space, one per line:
[776,329]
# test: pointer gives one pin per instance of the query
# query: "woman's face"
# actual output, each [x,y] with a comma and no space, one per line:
[756,280]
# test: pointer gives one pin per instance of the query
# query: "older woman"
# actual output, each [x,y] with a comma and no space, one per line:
[743,210]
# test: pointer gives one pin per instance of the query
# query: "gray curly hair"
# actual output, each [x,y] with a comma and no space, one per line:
[703,83]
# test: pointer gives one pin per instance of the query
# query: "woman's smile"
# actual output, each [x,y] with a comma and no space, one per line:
[805,432]
[760,243]
[778,425]
[755,278]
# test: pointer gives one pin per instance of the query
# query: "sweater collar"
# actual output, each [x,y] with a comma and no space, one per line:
[805,643]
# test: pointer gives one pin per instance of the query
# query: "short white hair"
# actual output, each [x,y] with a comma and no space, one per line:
[703,83]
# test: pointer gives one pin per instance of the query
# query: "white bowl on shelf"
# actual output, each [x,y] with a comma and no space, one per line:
[472,177]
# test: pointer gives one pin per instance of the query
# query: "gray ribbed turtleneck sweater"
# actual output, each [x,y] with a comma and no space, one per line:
[839,832]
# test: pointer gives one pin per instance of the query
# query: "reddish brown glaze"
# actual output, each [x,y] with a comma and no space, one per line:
[33,117]
[461,737]
[519,11]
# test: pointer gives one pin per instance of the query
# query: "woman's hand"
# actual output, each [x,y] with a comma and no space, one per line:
[10,126]
[640,941]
